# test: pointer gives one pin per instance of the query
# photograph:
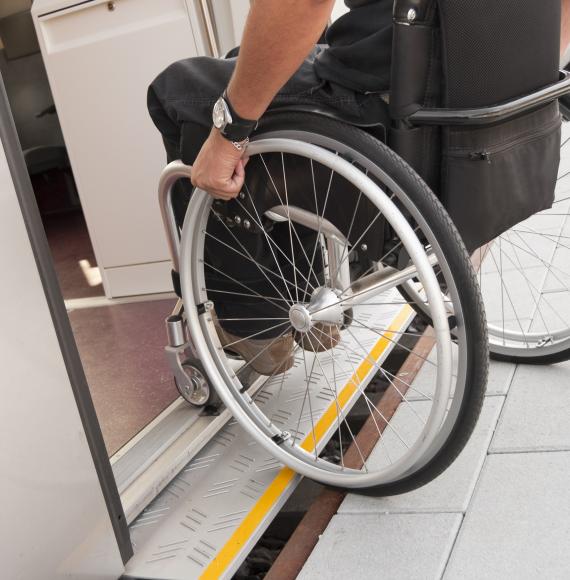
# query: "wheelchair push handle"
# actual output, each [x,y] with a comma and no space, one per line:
[169,176]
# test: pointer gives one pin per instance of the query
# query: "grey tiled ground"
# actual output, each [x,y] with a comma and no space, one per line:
[451,491]
[537,411]
[391,547]
[518,524]
[500,377]
[501,512]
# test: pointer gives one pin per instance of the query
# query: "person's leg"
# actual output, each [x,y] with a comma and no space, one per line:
[185,93]
[180,101]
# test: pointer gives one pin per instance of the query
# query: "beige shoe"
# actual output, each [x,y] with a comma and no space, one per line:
[263,358]
[321,337]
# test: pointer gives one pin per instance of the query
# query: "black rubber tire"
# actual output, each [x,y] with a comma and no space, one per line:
[551,359]
[452,245]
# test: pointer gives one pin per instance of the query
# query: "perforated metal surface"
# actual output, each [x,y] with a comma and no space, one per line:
[207,520]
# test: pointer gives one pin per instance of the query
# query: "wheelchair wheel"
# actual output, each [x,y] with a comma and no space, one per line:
[524,277]
[335,222]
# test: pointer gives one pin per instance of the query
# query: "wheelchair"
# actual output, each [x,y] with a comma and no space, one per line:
[384,231]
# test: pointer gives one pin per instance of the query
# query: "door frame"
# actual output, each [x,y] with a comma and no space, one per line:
[44,262]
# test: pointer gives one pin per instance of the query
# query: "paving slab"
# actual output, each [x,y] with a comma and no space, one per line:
[391,547]
[500,377]
[535,416]
[452,490]
[518,523]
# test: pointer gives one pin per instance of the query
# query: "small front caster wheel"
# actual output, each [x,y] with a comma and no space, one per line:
[195,389]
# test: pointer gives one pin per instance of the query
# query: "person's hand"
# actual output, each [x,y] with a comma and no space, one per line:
[219,168]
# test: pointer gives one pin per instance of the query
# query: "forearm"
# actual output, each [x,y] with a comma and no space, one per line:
[278,35]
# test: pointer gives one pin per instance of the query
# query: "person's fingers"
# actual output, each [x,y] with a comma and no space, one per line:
[226,189]
[218,171]
[221,195]
[222,190]
[240,168]
[237,182]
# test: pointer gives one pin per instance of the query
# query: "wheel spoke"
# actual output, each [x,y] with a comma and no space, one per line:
[292,228]
[320,218]
[252,336]
[504,291]
[270,300]
[373,407]
[347,424]
[232,293]
[249,257]
[379,367]
[271,243]
[263,351]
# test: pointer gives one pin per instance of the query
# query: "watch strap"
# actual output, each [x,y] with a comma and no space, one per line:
[239,129]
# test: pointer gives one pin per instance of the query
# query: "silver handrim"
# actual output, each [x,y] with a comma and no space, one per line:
[261,427]
[525,278]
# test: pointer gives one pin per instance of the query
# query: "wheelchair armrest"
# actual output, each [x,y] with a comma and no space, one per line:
[496,113]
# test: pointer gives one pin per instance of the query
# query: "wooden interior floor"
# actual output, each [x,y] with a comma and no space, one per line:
[121,346]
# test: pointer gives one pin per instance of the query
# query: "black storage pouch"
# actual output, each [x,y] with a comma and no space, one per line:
[495,177]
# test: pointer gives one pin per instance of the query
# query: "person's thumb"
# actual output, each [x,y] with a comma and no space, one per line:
[240,168]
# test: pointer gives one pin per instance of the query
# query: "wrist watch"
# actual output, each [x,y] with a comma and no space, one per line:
[233,127]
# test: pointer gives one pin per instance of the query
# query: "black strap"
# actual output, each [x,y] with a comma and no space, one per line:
[240,128]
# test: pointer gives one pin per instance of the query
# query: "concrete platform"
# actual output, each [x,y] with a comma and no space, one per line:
[518,523]
[369,546]
[536,416]
[501,511]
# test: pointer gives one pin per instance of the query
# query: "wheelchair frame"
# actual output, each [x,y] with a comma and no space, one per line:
[406,13]
[188,372]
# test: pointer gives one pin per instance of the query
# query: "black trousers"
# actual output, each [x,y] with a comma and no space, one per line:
[244,272]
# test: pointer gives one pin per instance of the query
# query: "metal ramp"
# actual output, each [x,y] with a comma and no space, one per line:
[206,521]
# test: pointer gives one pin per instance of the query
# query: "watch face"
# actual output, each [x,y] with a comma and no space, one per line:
[218,115]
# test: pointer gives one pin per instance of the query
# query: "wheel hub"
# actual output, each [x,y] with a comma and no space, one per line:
[300,318]
[323,307]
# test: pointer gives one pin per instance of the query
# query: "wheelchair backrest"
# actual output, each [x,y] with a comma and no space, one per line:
[465,54]
[495,50]
[485,51]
